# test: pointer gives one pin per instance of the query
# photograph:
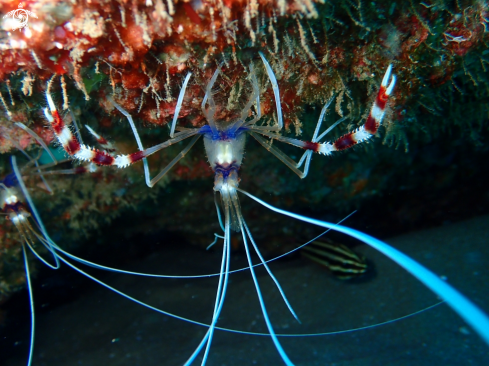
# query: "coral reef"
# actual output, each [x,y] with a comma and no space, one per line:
[140,52]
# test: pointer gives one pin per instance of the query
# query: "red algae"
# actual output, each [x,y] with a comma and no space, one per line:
[142,51]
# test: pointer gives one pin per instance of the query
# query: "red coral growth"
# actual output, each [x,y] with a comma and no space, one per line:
[142,53]
[413,33]
[462,36]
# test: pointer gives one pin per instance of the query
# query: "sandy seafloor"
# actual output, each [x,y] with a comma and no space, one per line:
[96,327]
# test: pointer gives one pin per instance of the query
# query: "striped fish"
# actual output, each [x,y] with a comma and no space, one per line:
[338,258]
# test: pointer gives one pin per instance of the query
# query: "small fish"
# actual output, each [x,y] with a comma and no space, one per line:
[338,258]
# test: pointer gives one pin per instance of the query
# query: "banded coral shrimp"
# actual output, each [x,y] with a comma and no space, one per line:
[224,146]
[16,210]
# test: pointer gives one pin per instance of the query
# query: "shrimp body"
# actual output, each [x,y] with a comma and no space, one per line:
[15,209]
[224,144]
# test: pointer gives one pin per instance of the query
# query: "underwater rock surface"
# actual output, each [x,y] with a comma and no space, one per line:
[92,326]
[140,52]
[427,168]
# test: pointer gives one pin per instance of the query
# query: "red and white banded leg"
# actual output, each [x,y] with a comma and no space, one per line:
[374,119]
[102,141]
[86,153]
[69,141]
[80,151]
[361,134]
